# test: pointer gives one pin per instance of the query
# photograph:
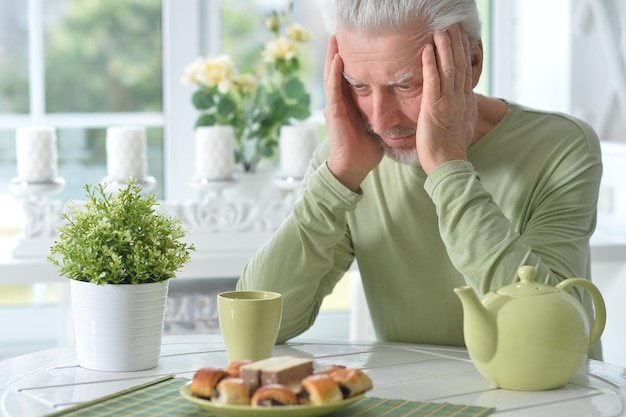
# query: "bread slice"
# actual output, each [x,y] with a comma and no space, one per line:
[285,370]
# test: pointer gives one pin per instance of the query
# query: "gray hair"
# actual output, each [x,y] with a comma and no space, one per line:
[381,17]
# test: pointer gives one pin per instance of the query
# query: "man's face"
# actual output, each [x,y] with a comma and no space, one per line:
[385,78]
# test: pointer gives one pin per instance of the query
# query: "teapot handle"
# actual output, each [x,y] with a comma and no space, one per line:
[598,303]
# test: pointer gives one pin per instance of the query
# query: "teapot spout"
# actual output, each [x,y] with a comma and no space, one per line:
[479,325]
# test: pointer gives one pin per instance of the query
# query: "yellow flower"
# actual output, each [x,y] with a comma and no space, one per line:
[272,23]
[281,47]
[298,33]
[245,83]
[191,71]
[217,72]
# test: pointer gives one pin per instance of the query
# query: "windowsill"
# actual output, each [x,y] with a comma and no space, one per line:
[209,261]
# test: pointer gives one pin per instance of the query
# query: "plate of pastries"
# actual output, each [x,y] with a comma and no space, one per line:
[283,385]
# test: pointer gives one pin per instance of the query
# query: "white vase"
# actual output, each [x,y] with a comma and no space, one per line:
[215,153]
[118,327]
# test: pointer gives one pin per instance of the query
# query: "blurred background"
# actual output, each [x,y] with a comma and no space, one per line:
[84,65]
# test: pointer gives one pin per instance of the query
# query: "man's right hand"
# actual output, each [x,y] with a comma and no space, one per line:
[353,151]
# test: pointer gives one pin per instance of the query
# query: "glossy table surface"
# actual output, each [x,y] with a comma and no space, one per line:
[48,381]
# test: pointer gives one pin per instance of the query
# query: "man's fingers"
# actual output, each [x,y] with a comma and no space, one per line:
[460,56]
[469,79]
[430,74]
[333,80]
[331,51]
[453,61]
[445,62]
[334,86]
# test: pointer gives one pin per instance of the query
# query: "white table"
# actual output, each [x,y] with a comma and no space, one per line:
[43,382]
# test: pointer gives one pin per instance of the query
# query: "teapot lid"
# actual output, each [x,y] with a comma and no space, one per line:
[527,284]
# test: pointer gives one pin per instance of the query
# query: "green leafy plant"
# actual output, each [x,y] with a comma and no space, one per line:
[119,238]
[258,102]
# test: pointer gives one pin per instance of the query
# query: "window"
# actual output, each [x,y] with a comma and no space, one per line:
[80,66]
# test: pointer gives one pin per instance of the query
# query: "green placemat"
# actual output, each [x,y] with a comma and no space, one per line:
[160,398]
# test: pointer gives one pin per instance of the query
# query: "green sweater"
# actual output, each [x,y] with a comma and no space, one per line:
[527,196]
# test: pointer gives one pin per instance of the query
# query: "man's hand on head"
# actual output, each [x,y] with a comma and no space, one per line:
[353,151]
[448,113]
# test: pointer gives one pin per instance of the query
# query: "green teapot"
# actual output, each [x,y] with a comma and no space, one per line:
[529,335]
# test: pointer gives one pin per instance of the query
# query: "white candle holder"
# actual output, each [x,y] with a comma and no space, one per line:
[42,215]
[208,189]
[36,189]
[288,183]
[147,184]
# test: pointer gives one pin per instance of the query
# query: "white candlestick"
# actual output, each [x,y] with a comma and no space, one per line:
[297,144]
[126,153]
[36,152]
[215,152]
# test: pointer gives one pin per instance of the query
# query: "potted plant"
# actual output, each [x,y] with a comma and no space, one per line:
[119,254]
[257,102]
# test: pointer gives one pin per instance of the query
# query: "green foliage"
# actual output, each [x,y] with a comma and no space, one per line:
[119,239]
[258,102]
[105,56]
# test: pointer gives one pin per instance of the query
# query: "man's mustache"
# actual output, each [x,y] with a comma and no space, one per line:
[395,131]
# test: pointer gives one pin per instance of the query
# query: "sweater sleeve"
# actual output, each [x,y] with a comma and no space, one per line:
[308,254]
[553,233]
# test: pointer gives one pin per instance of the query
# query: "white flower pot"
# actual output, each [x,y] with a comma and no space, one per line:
[118,327]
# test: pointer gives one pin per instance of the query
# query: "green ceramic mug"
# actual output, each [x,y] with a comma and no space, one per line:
[249,321]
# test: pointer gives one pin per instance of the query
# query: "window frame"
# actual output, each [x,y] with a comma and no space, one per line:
[181,42]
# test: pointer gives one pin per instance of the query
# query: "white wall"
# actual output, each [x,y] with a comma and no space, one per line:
[542,56]
[564,55]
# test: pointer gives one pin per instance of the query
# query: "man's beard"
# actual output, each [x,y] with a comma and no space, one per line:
[401,155]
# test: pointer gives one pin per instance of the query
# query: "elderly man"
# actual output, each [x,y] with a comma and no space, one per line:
[428,185]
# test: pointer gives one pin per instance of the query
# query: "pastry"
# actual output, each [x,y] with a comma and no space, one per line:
[352,381]
[278,381]
[329,369]
[319,389]
[205,380]
[285,370]
[233,367]
[232,391]
[273,395]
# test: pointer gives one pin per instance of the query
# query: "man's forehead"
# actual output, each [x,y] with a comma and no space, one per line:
[399,40]
[389,58]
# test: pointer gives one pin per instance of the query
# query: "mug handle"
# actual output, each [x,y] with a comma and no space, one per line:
[598,303]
